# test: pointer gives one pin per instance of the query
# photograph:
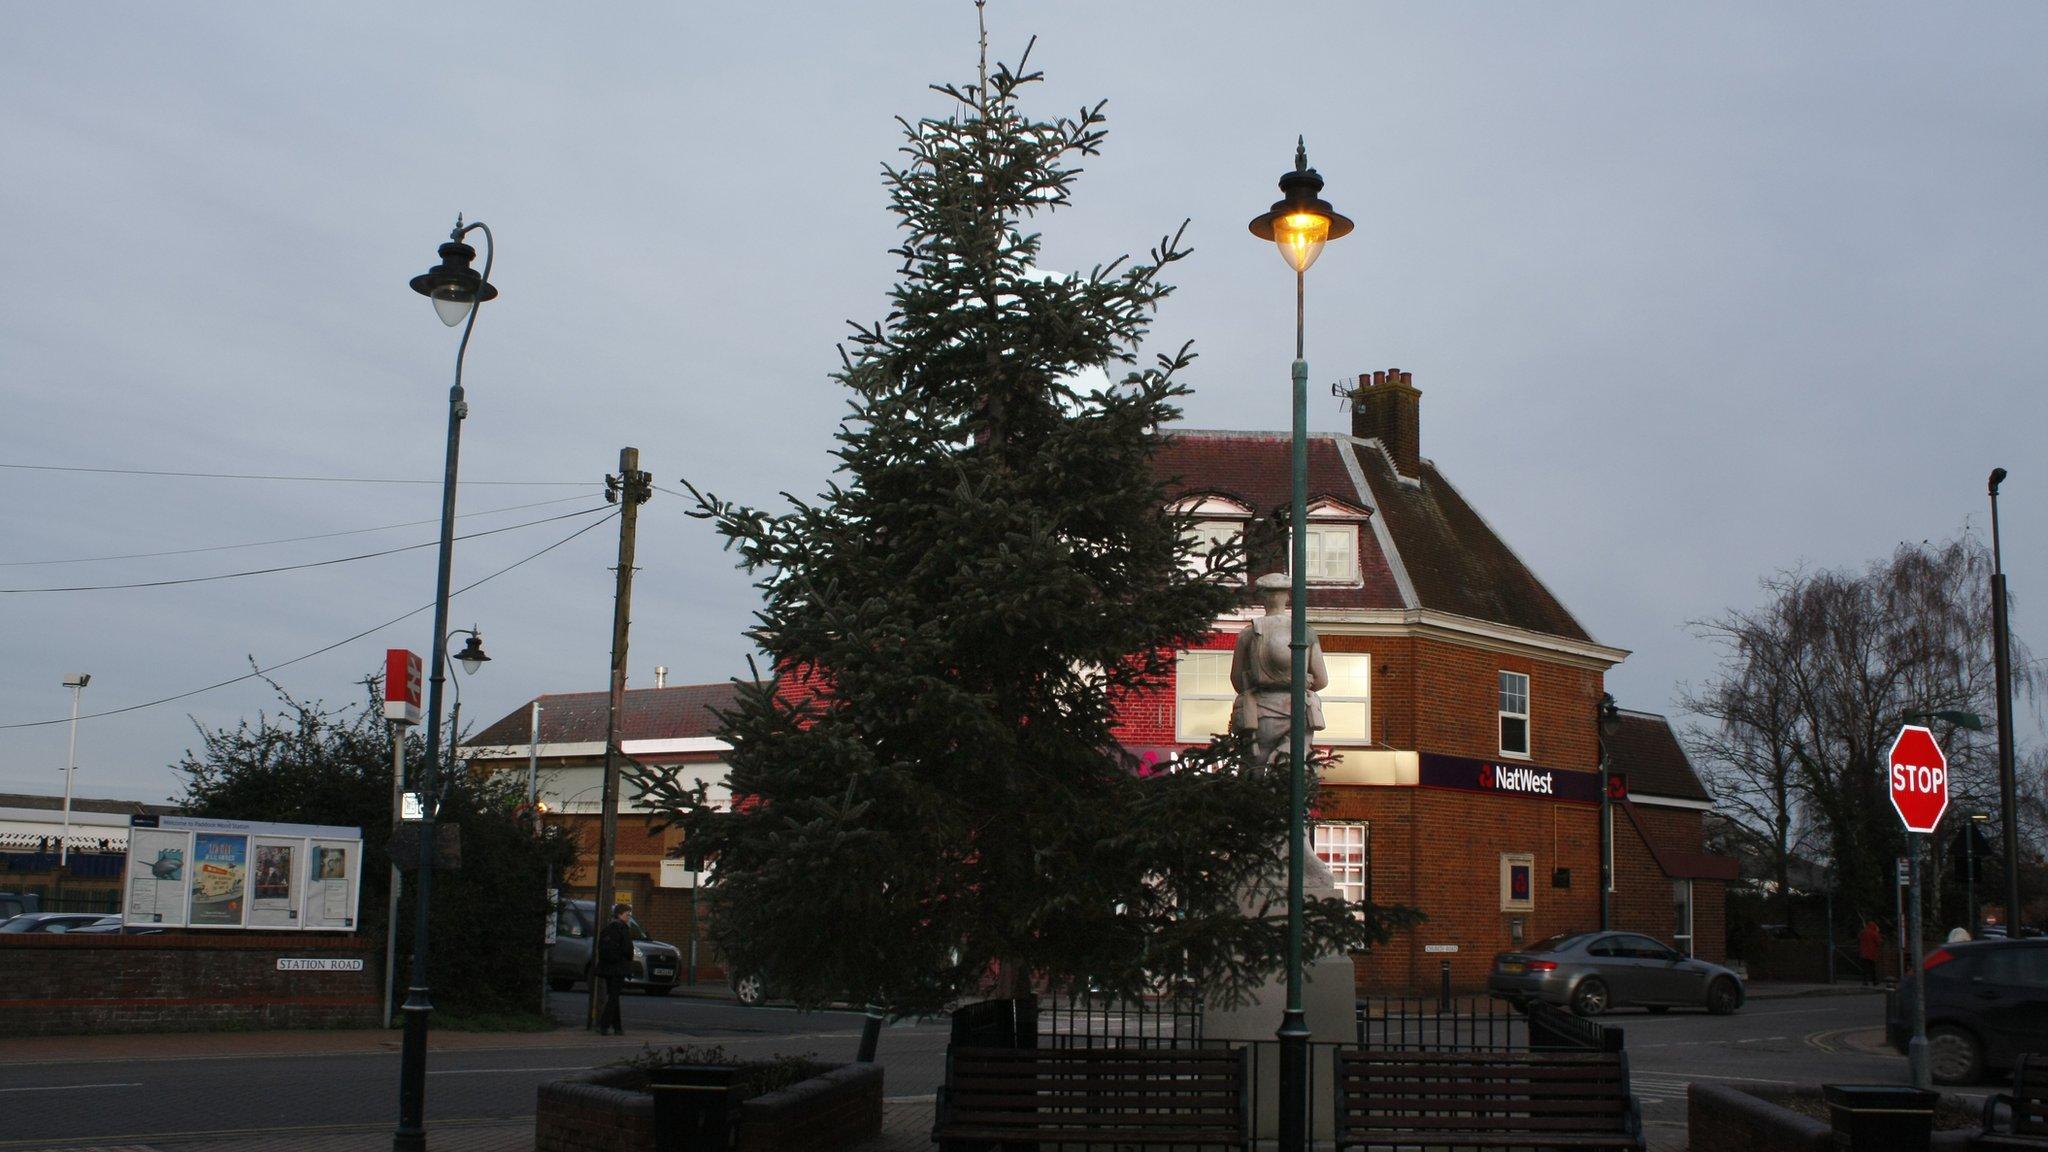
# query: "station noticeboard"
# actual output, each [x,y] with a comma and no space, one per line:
[191,872]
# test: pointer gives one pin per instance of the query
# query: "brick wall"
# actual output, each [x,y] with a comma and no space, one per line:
[58,984]
[1643,895]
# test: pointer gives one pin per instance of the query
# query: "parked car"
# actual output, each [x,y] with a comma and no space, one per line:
[1987,1001]
[111,925]
[13,904]
[656,966]
[50,921]
[1592,972]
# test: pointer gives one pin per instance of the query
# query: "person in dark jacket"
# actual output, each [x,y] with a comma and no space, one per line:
[614,962]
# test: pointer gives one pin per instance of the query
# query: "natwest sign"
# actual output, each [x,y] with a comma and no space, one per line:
[1531,780]
[401,686]
[1918,774]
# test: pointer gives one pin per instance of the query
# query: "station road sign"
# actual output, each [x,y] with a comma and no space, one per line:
[1919,778]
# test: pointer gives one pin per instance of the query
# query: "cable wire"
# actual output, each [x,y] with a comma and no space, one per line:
[255,672]
[297,567]
[284,540]
[306,479]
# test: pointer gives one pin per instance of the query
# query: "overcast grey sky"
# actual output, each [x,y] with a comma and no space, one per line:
[1693,293]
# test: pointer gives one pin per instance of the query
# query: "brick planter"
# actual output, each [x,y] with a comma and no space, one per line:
[1746,1117]
[833,1110]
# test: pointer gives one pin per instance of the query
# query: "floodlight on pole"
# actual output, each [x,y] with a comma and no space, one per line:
[76,681]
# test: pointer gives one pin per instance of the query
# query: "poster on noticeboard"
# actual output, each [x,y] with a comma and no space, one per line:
[186,871]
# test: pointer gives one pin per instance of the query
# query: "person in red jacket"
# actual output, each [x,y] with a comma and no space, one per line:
[1868,943]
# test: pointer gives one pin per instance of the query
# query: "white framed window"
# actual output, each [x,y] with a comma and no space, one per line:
[1514,714]
[1347,700]
[1332,553]
[1202,696]
[1517,882]
[1347,849]
[1208,537]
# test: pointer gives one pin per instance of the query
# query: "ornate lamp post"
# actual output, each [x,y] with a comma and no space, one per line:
[456,289]
[1300,223]
[2008,799]
[1607,722]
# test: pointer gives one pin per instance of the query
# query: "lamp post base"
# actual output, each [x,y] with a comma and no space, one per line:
[411,1134]
[1294,1037]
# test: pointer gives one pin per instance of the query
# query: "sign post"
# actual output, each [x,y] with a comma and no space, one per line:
[402,710]
[1918,774]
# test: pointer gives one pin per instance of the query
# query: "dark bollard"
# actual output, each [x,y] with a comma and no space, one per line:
[1880,1117]
[696,1107]
[1443,1003]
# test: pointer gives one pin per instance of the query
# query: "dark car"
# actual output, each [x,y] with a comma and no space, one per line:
[1987,1001]
[112,925]
[50,921]
[656,966]
[1591,972]
[13,904]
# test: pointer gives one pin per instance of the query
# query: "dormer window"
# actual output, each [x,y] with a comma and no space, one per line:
[1219,525]
[1333,542]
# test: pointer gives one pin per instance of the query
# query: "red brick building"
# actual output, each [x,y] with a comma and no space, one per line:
[1461,708]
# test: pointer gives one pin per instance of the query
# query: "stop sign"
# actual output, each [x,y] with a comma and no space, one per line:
[1919,778]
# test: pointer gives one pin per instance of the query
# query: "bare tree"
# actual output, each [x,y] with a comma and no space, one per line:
[1813,687]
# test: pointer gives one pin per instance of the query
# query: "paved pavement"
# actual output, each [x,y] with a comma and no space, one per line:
[1822,1037]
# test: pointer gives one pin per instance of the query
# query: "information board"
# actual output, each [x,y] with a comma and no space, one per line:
[186,871]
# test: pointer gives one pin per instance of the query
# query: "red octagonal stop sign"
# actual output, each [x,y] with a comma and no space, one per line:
[1919,778]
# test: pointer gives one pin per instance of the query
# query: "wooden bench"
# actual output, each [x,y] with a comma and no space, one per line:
[1140,1096]
[1486,1100]
[2027,1103]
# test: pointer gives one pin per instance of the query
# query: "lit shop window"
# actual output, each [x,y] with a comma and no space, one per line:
[1514,714]
[1347,849]
[1203,696]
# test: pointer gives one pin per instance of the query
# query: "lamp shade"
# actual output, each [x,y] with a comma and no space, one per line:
[1300,222]
[472,655]
[453,285]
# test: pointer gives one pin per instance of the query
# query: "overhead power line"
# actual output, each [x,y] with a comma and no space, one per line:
[282,540]
[265,671]
[303,479]
[297,567]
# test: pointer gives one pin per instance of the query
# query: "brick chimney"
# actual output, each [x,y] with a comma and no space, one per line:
[1386,406]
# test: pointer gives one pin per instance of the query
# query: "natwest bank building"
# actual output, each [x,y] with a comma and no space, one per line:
[1462,708]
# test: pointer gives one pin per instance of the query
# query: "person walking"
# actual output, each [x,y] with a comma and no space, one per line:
[614,961]
[1869,944]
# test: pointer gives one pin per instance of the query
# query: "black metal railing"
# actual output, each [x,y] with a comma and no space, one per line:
[1438,1024]
[1092,1020]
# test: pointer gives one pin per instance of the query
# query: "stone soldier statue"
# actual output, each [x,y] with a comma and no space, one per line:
[1261,669]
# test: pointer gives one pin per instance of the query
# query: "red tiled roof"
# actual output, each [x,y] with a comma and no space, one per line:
[1648,752]
[1454,562]
[671,713]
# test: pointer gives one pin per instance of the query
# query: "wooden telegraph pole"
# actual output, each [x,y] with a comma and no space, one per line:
[629,489]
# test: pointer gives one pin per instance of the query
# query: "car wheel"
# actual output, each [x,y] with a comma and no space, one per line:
[1658,1009]
[1724,996]
[749,989]
[1953,1055]
[561,983]
[1590,997]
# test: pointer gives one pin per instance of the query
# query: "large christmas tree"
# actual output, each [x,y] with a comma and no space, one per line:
[931,802]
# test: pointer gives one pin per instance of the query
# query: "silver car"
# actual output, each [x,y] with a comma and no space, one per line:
[655,965]
[1591,972]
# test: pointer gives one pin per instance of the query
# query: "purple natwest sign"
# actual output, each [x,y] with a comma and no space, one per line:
[1531,780]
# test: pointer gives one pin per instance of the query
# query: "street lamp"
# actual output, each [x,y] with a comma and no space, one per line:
[76,681]
[471,658]
[1607,721]
[2001,649]
[456,289]
[1970,868]
[1300,223]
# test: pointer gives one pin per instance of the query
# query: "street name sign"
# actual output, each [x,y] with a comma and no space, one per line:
[1918,774]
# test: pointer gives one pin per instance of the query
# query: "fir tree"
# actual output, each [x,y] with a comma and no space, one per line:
[934,803]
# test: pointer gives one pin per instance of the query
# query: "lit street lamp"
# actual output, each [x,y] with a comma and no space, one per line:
[456,289]
[76,681]
[1300,223]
